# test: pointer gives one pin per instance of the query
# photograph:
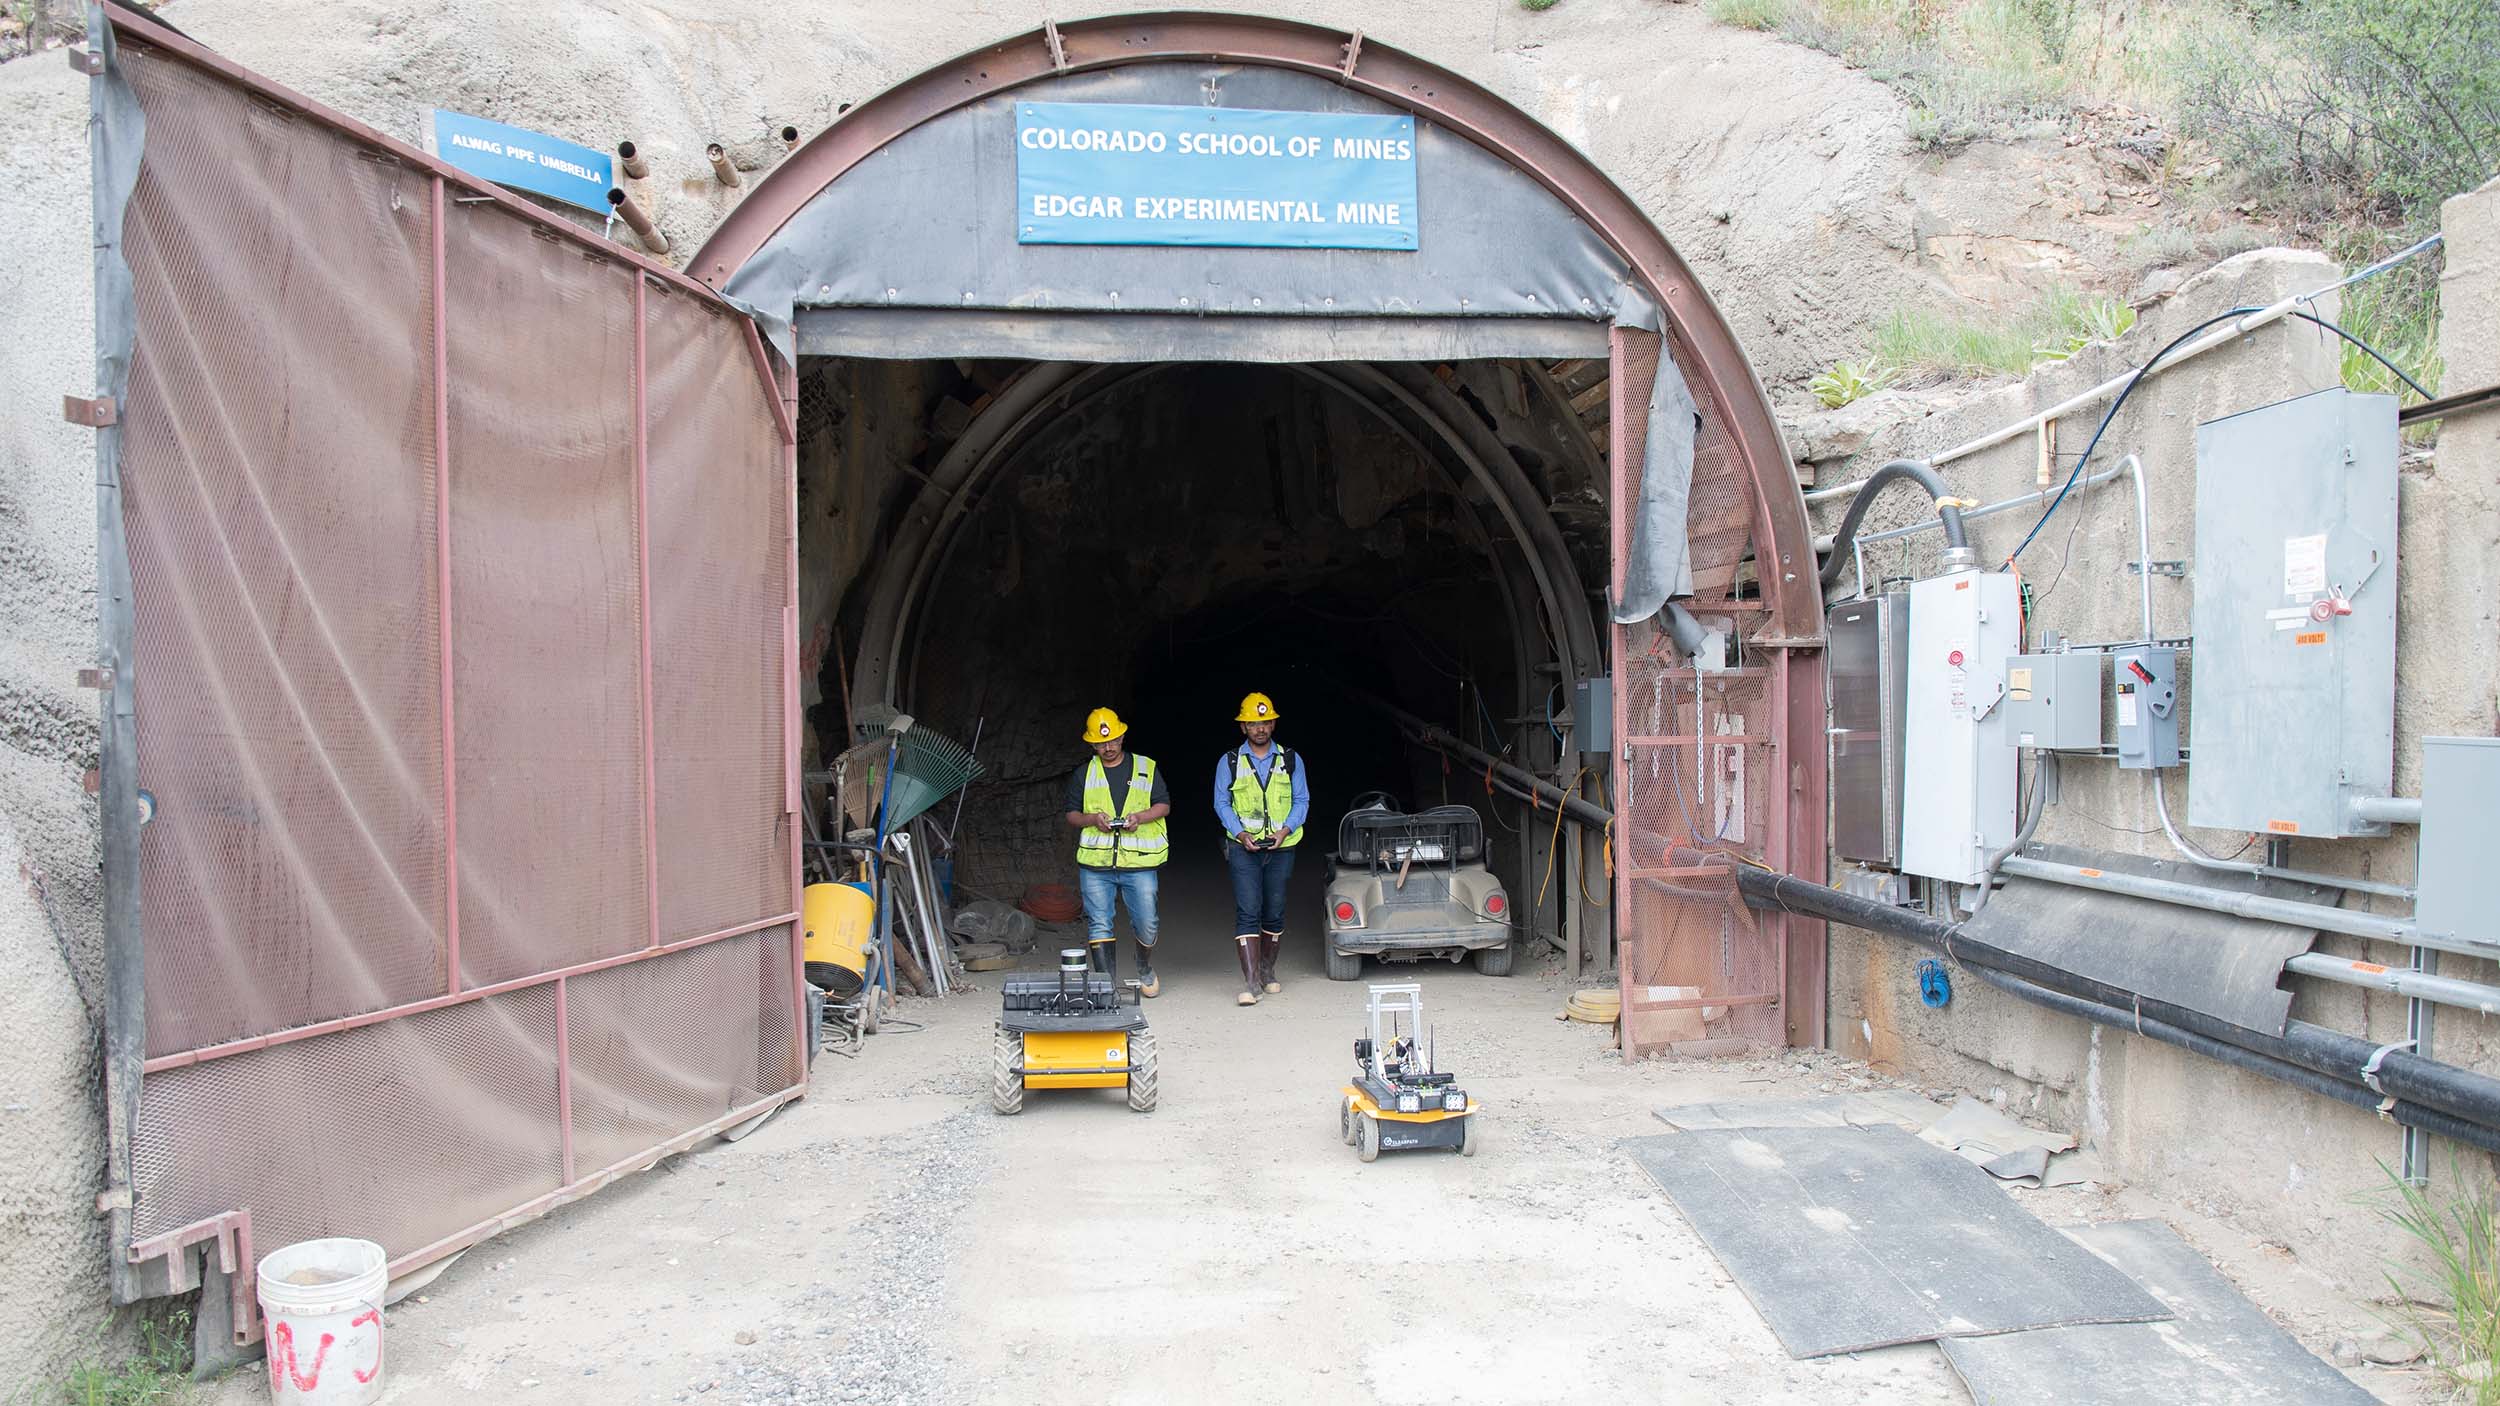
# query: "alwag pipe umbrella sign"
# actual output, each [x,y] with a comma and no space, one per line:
[1126,173]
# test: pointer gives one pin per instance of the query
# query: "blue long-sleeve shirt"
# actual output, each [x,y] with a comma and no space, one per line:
[1260,766]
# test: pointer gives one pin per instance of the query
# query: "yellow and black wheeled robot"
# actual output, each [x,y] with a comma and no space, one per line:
[1398,1100]
[1077,1029]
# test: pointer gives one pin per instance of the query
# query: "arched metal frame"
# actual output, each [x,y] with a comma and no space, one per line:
[1709,356]
[1785,542]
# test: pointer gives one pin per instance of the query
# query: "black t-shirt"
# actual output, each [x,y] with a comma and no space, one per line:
[1118,777]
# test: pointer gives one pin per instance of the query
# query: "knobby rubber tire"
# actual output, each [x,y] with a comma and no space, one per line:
[1345,1120]
[1368,1148]
[1143,1071]
[1343,966]
[1494,961]
[1006,1084]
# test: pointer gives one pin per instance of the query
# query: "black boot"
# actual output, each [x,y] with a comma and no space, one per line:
[1147,985]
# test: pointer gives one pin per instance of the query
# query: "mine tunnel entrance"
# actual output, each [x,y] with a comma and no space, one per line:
[1164,538]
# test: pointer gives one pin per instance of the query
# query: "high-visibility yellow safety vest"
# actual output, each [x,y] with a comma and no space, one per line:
[1265,807]
[1141,848]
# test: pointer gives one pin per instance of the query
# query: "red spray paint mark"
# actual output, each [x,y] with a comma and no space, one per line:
[282,1358]
[366,1374]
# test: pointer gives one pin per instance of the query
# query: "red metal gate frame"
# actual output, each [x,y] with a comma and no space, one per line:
[165,1255]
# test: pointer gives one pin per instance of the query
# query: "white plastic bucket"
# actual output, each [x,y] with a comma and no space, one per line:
[321,1321]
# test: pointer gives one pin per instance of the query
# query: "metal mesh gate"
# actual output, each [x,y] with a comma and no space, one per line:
[1701,780]
[461,557]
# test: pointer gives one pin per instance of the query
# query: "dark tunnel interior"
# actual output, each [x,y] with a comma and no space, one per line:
[1187,534]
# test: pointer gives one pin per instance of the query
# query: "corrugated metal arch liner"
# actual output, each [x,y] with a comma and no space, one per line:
[906,229]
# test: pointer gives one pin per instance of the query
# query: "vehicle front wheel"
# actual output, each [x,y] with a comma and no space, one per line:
[1494,961]
[1368,1145]
[1006,1080]
[1343,966]
[1143,1071]
[1345,1121]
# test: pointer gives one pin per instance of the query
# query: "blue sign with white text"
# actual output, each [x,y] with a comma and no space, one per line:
[524,160]
[1122,173]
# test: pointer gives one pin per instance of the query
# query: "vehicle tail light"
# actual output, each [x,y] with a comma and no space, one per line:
[1345,911]
[1494,906]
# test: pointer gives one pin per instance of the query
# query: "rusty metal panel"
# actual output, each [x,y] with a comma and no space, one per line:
[718,547]
[399,1131]
[385,460]
[1699,782]
[545,623]
[661,1046]
[293,871]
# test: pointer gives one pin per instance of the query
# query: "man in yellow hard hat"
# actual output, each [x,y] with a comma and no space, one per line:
[1117,802]
[1262,798]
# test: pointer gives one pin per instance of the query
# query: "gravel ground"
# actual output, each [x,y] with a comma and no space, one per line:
[890,1239]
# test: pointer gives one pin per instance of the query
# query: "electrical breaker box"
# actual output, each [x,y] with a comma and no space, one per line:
[1865,654]
[2053,701]
[2460,813]
[1957,783]
[2148,707]
[2294,705]
[1593,713]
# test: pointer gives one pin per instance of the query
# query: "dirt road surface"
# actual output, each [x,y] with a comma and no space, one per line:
[890,1239]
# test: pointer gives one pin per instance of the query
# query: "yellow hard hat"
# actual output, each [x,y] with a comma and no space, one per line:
[1101,725]
[1257,708]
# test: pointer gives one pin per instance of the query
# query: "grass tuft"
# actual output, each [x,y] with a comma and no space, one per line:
[155,1373]
[1749,14]
[2456,1314]
[2061,323]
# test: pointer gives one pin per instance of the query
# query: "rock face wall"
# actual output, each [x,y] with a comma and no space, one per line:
[2287,1166]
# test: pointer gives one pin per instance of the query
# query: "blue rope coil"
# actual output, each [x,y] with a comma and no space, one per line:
[1935,985]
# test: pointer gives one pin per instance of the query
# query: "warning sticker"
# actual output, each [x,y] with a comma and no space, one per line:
[2312,637]
[2126,708]
[2304,565]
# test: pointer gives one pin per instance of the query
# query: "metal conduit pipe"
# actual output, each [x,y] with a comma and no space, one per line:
[2399,1074]
[2247,905]
[2197,856]
[2389,810]
[723,169]
[1948,512]
[2430,1120]
[1441,741]
[2445,990]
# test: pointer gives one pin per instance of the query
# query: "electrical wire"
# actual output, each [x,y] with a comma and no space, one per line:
[1553,844]
[2142,371]
[2375,353]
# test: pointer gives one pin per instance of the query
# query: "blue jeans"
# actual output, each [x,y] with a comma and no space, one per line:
[1259,878]
[1099,887]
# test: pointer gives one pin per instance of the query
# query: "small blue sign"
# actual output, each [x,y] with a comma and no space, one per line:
[1123,173]
[523,159]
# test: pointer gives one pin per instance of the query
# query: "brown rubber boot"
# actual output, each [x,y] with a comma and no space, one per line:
[1246,943]
[1269,942]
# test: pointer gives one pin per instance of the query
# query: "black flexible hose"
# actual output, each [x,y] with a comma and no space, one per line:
[2429,1120]
[1917,473]
[2460,1094]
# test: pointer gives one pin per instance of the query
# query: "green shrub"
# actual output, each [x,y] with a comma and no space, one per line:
[1538,4]
[1749,14]
[155,1373]
[2321,104]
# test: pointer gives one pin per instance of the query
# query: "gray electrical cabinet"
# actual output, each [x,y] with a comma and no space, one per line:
[2053,701]
[1864,655]
[2460,813]
[2294,704]
[1593,713]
